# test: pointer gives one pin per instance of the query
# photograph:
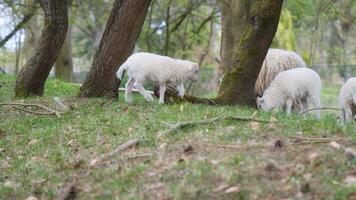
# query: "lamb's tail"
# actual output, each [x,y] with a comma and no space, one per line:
[120,72]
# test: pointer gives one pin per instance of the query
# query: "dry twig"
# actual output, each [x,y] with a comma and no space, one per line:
[324,108]
[15,105]
[116,151]
[181,125]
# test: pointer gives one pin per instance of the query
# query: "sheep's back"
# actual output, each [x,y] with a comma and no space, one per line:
[298,81]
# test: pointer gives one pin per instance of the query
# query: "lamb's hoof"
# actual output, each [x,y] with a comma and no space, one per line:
[161,102]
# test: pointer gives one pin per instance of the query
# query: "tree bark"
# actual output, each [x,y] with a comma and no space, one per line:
[121,33]
[64,64]
[33,75]
[245,43]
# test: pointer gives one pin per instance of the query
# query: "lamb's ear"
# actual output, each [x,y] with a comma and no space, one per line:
[260,99]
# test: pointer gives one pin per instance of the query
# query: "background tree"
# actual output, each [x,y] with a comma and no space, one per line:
[121,33]
[245,44]
[64,64]
[33,75]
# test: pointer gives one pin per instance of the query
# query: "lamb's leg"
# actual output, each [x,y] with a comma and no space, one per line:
[128,90]
[348,114]
[143,92]
[162,91]
[289,104]
[343,115]
[315,101]
[181,90]
[304,105]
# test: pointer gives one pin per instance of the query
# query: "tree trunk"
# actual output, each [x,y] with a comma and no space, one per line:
[121,32]
[64,63]
[32,32]
[33,75]
[245,43]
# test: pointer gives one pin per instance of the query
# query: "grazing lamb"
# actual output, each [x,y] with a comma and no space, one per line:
[294,85]
[159,69]
[276,61]
[347,100]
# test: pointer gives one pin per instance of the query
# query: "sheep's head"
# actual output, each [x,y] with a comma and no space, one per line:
[263,104]
[193,72]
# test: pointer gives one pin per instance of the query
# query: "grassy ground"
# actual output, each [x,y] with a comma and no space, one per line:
[49,157]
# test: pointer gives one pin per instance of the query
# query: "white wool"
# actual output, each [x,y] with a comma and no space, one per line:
[294,85]
[347,100]
[276,61]
[161,70]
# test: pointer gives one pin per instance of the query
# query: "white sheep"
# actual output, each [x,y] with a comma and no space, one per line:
[276,61]
[347,100]
[295,85]
[158,69]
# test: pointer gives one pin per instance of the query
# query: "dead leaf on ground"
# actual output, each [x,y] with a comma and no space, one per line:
[221,187]
[335,145]
[312,157]
[232,189]
[350,153]
[31,198]
[32,142]
[255,125]
[350,180]
[4,164]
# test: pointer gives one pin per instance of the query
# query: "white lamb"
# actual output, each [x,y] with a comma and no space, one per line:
[299,85]
[347,100]
[160,70]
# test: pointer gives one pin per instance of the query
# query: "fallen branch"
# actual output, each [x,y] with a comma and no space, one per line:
[15,105]
[181,125]
[116,151]
[313,109]
[227,146]
[315,138]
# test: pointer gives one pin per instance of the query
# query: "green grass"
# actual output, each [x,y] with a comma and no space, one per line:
[43,156]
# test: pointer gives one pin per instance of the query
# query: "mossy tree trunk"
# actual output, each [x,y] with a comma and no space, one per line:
[33,75]
[248,28]
[64,64]
[121,33]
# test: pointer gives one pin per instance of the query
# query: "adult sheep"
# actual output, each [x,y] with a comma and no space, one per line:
[295,85]
[158,69]
[276,61]
[347,100]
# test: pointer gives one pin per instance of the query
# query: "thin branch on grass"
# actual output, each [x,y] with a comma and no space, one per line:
[15,105]
[135,91]
[313,109]
[116,151]
[316,139]
[180,125]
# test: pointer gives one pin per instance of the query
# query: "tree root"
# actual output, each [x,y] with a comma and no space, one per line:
[24,107]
